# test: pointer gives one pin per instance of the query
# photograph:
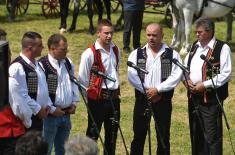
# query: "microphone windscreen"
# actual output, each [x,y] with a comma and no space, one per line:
[129,63]
[203,57]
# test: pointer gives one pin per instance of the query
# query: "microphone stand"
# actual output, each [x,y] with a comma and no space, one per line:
[81,88]
[149,112]
[115,120]
[222,109]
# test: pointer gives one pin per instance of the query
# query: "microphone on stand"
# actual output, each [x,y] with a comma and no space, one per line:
[78,83]
[181,66]
[131,64]
[105,76]
[203,57]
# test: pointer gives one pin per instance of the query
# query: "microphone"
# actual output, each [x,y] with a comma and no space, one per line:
[103,75]
[78,83]
[181,66]
[131,64]
[203,57]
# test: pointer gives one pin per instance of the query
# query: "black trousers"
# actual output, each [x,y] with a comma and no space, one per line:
[7,145]
[132,22]
[102,112]
[205,120]
[162,111]
[64,10]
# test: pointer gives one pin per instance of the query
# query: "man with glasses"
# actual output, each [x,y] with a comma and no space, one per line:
[30,95]
[63,93]
[206,123]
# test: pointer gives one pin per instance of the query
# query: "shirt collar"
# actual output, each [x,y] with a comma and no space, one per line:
[210,44]
[99,47]
[28,61]
[55,61]
[162,49]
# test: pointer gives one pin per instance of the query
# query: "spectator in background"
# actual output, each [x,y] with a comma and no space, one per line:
[32,143]
[133,16]
[62,91]
[64,10]
[12,6]
[81,145]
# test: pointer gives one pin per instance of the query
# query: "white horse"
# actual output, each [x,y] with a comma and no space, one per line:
[185,10]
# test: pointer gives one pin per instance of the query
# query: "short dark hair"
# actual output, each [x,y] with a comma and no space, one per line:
[103,22]
[55,39]
[206,23]
[29,38]
[32,143]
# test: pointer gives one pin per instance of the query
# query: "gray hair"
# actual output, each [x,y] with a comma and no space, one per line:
[206,23]
[81,145]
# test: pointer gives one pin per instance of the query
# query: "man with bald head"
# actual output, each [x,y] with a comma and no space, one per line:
[155,57]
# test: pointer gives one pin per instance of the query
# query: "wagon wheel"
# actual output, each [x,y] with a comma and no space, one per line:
[50,8]
[168,16]
[115,5]
[82,4]
[21,6]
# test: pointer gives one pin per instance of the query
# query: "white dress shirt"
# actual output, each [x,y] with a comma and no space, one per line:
[197,63]
[109,63]
[16,71]
[67,92]
[153,66]
[20,108]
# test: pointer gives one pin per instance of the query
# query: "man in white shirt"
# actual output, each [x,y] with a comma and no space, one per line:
[102,56]
[206,127]
[62,91]
[32,83]
[155,57]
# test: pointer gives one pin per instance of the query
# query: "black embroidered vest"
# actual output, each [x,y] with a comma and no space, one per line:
[52,76]
[166,66]
[31,77]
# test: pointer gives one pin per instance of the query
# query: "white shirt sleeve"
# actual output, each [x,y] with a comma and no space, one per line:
[87,60]
[16,71]
[132,73]
[225,69]
[20,108]
[175,77]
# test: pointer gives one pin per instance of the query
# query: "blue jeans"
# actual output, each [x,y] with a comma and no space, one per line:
[56,131]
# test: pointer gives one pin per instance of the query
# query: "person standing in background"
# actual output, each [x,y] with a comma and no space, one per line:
[133,16]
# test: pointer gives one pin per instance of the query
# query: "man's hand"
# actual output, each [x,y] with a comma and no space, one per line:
[199,88]
[42,113]
[153,95]
[58,112]
[72,109]
[188,84]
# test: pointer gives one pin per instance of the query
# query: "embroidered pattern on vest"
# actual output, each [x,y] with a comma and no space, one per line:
[31,77]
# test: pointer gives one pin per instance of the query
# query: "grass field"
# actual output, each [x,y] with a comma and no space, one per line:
[78,41]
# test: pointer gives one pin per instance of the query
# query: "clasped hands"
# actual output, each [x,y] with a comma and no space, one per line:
[198,88]
[153,95]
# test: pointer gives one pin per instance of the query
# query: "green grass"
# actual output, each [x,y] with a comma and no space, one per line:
[33,20]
